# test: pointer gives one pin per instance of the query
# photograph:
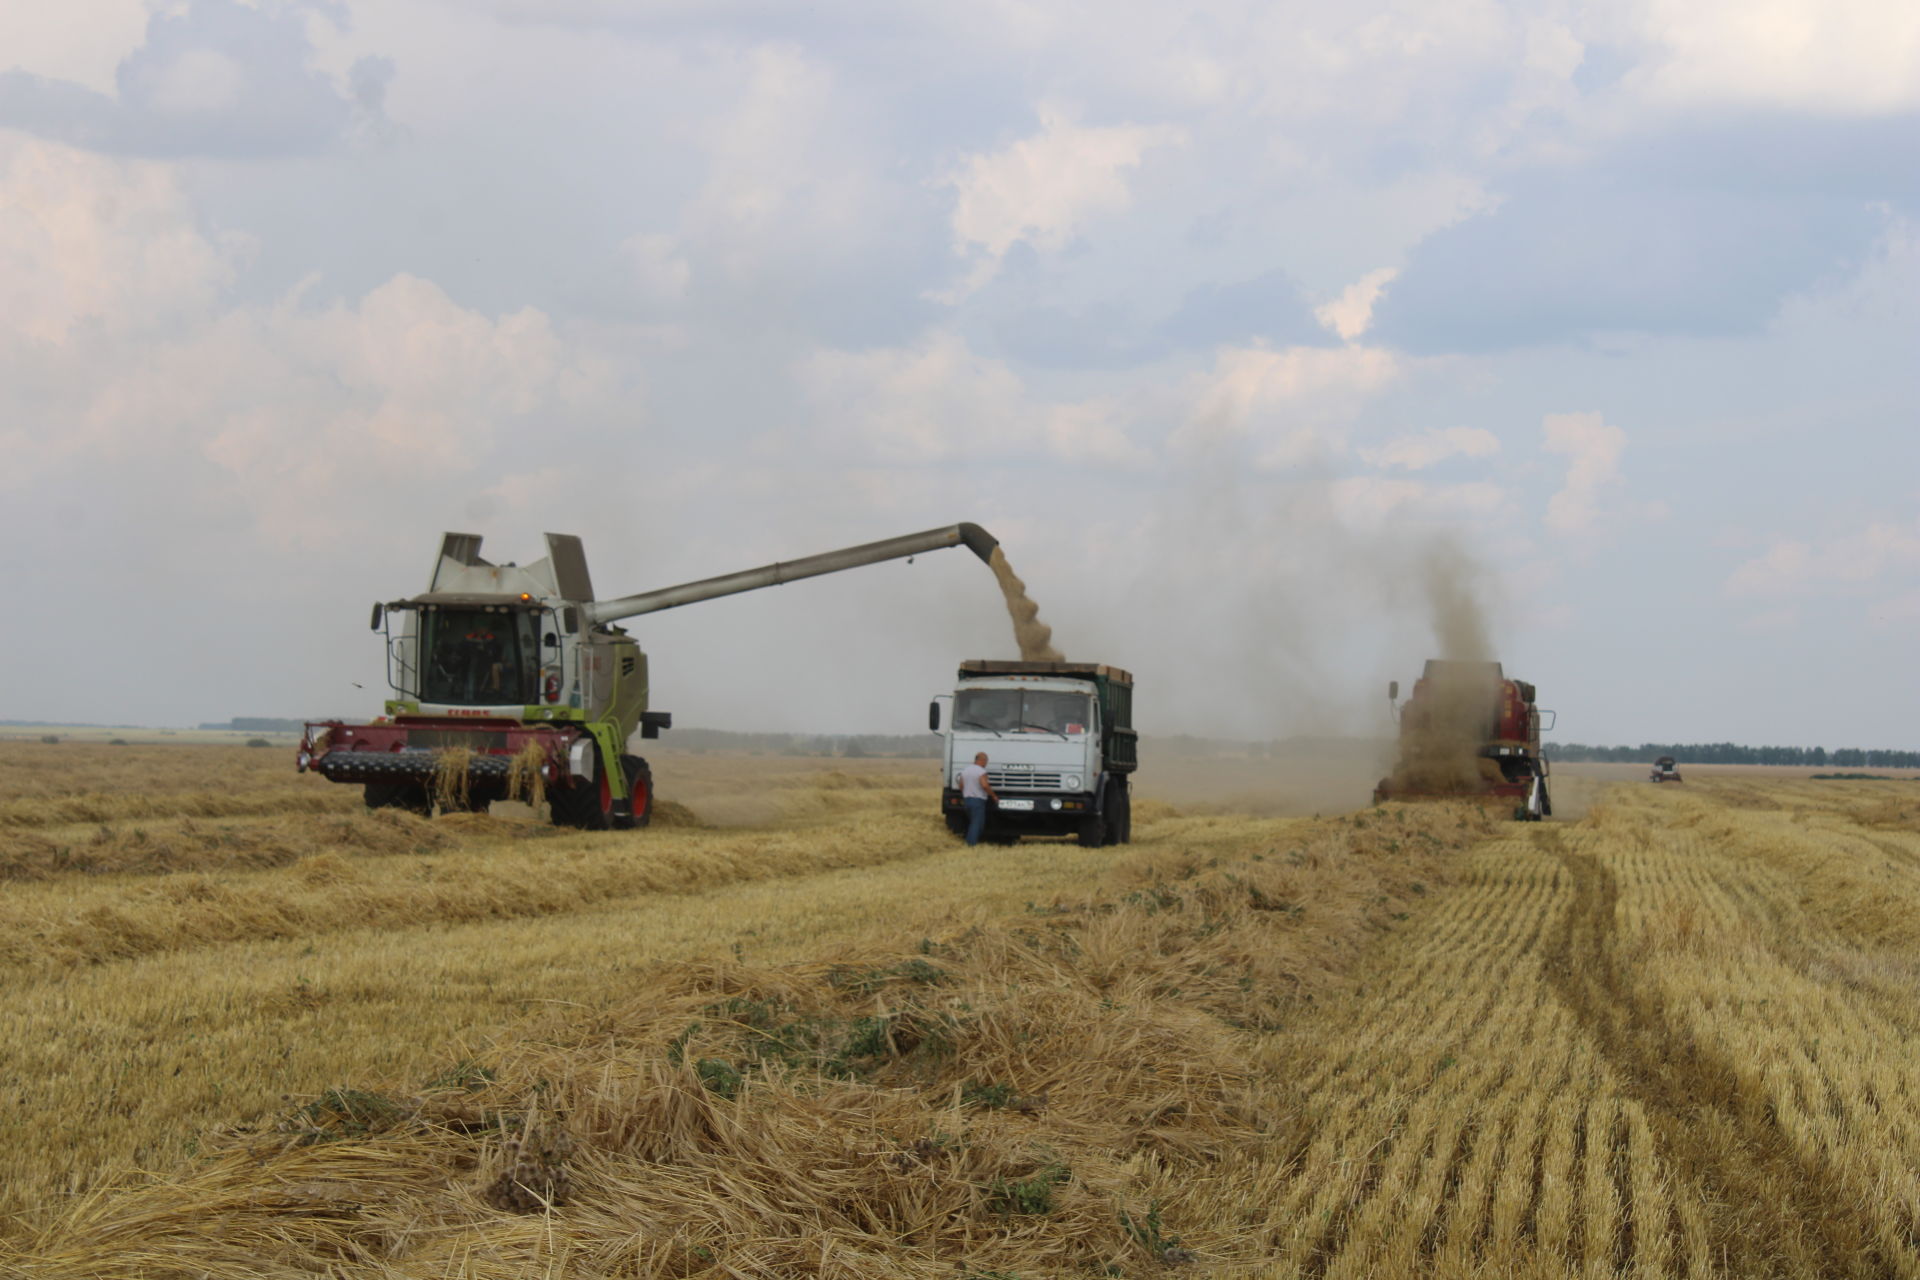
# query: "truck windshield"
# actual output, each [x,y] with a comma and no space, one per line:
[477,657]
[1022,711]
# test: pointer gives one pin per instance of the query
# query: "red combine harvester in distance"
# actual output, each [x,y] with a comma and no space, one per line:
[1468,732]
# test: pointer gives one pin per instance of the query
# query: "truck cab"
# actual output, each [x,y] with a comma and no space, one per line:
[1060,748]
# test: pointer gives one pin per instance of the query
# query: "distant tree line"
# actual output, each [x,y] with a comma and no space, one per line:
[1735,753]
[850,745]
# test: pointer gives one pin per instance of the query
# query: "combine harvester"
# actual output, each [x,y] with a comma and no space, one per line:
[504,672]
[1468,732]
[1664,770]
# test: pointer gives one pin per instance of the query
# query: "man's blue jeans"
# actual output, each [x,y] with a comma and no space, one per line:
[976,818]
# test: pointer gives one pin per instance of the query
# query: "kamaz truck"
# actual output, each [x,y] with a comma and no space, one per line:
[1060,749]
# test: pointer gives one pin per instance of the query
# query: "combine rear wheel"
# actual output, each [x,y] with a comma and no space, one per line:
[638,809]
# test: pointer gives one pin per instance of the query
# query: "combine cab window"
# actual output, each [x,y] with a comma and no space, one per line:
[1023,711]
[478,657]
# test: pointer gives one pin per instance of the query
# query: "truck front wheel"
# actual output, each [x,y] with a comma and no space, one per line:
[1095,829]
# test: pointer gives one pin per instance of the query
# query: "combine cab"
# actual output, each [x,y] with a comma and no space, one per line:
[513,681]
[1664,770]
[1468,732]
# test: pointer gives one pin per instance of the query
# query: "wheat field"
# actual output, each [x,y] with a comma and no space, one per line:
[795,1029]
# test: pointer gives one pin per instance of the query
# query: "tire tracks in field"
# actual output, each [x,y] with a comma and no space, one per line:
[1775,1212]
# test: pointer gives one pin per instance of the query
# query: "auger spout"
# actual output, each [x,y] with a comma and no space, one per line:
[970,536]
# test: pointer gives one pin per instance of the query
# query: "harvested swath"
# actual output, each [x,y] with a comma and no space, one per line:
[1068,1092]
[54,923]
[187,845]
[29,771]
[67,810]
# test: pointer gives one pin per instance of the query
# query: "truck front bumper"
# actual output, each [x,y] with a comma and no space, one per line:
[1033,811]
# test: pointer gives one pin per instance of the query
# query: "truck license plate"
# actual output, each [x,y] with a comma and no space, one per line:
[1021,805]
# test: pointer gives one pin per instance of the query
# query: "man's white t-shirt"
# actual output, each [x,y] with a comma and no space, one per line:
[970,779]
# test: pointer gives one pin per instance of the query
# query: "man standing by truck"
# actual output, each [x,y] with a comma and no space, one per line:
[975,791]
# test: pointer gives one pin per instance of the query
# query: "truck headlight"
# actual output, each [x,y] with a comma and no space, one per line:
[1072,781]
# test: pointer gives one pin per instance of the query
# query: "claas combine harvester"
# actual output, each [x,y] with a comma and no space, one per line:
[1468,732]
[506,673]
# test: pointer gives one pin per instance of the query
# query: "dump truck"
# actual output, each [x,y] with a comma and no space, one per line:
[1469,732]
[1060,744]
[1664,770]
[505,673]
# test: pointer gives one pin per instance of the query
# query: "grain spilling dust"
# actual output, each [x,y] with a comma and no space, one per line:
[1035,636]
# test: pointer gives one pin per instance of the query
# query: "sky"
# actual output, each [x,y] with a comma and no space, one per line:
[1265,336]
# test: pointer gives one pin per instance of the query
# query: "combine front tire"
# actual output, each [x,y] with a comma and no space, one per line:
[638,809]
[588,806]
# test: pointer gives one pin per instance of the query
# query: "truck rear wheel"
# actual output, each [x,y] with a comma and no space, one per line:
[638,810]
[1123,825]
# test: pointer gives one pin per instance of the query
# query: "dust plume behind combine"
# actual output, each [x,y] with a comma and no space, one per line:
[1440,741]
[1034,636]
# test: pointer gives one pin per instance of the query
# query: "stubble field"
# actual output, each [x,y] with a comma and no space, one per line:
[794,1029]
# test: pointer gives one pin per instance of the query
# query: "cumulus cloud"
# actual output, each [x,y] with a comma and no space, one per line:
[939,401]
[88,241]
[1859,57]
[1043,189]
[1791,567]
[660,270]
[213,77]
[1432,447]
[122,333]
[1292,404]
[1592,448]
[1372,502]
[1350,314]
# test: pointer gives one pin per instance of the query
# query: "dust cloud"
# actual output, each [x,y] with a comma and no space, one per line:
[1269,609]
[1459,620]
[1452,711]
[1034,636]
[1443,727]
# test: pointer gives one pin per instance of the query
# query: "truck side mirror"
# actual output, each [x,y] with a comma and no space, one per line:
[1393,691]
[379,616]
[933,715]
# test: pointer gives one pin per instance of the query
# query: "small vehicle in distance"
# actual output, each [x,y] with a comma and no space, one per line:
[1664,770]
